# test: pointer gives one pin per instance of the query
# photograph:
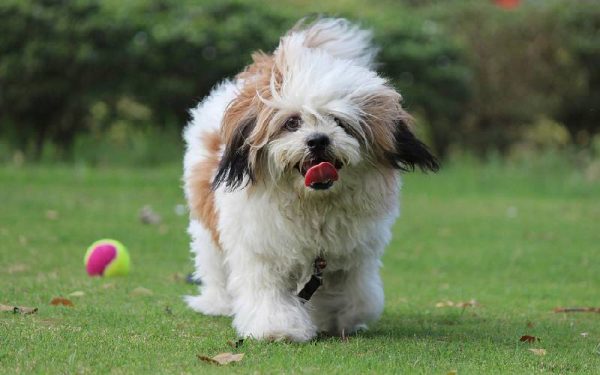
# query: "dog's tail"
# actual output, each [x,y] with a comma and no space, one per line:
[338,37]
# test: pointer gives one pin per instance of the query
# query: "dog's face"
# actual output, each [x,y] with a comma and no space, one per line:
[305,140]
[302,116]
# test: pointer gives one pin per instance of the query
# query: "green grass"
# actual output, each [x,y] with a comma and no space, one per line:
[519,240]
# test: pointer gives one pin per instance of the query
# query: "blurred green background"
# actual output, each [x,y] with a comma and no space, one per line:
[110,82]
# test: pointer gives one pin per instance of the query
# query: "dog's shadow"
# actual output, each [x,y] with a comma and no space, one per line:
[452,325]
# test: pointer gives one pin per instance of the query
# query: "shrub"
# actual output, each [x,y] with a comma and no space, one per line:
[60,59]
[67,67]
[477,76]
[539,60]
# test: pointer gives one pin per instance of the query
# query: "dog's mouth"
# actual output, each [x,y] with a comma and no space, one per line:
[319,174]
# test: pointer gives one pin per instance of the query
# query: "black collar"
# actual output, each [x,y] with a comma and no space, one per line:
[316,280]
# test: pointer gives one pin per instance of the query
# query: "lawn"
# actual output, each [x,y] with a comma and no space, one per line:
[520,241]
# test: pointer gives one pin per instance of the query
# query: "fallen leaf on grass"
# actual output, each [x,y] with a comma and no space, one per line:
[141,291]
[177,277]
[18,309]
[77,293]
[538,351]
[60,301]
[529,339]
[108,285]
[462,304]
[530,325]
[16,268]
[148,216]
[51,215]
[452,372]
[576,309]
[222,359]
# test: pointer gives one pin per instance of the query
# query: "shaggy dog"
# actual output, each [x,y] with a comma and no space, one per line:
[292,180]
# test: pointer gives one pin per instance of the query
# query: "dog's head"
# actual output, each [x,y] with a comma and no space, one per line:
[313,108]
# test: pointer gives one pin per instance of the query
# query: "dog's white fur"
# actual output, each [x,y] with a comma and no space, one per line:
[272,228]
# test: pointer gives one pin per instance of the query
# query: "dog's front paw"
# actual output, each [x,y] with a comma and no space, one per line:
[282,325]
[210,302]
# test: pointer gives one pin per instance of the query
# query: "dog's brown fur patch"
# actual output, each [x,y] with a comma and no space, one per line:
[202,200]
[383,112]
[249,106]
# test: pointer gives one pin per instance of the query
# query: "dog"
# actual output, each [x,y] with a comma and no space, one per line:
[292,175]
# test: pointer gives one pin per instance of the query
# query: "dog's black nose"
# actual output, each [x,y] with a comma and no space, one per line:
[317,141]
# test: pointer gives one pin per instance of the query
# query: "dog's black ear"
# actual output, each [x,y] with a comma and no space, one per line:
[410,152]
[234,168]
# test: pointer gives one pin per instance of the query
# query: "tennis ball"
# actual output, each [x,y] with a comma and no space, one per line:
[107,258]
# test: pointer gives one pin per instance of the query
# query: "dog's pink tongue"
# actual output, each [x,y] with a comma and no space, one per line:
[320,173]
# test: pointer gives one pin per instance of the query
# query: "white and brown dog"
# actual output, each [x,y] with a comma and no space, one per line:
[297,159]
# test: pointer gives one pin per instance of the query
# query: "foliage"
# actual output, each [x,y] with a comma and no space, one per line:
[67,66]
[62,60]
[531,62]
[475,76]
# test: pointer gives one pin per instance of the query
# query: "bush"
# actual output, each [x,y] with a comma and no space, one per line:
[539,60]
[61,59]
[65,66]
[475,75]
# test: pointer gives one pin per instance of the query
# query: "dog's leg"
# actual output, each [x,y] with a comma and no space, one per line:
[349,299]
[210,269]
[264,305]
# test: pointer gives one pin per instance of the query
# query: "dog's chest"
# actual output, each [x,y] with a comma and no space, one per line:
[290,233]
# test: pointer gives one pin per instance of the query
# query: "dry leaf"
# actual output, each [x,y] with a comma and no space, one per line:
[23,240]
[452,372]
[222,359]
[148,216]
[5,308]
[471,303]
[141,291]
[538,351]
[18,309]
[51,215]
[26,310]
[576,309]
[60,301]
[529,339]
[206,359]
[462,304]
[77,293]
[16,268]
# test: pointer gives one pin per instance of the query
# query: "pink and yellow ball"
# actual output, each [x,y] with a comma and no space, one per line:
[107,258]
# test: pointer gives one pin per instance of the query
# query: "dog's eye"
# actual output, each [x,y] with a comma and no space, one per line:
[292,124]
